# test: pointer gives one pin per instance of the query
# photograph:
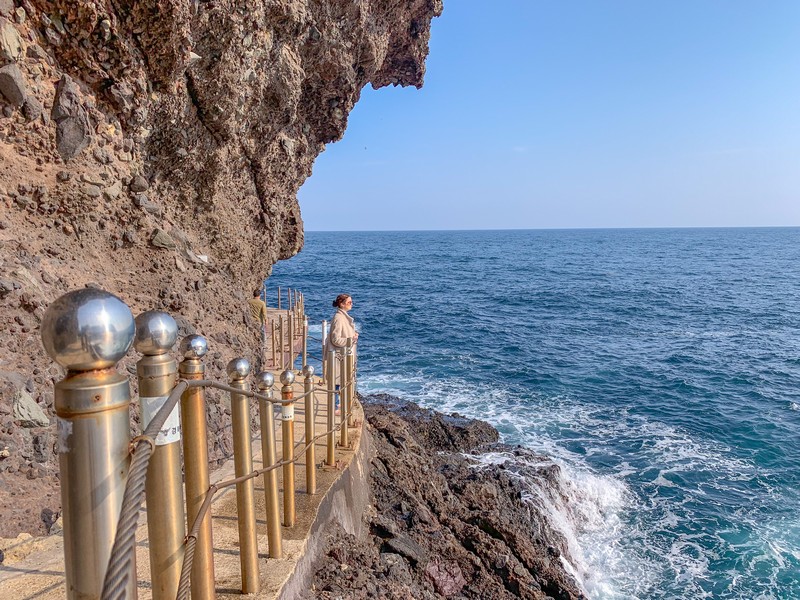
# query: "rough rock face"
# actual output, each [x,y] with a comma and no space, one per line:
[444,526]
[154,149]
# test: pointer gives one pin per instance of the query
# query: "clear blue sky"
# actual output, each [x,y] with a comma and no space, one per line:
[566,113]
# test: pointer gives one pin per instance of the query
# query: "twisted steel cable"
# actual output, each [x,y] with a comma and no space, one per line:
[122,553]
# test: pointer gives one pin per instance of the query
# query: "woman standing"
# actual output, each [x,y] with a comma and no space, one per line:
[342,329]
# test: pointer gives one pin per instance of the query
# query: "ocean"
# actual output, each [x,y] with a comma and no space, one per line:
[660,368]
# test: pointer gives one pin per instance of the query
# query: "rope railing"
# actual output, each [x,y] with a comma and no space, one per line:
[142,448]
[103,566]
[191,537]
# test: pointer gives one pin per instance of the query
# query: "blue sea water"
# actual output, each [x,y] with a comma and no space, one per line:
[659,367]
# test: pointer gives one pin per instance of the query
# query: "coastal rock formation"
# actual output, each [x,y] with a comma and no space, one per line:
[443,522]
[154,149]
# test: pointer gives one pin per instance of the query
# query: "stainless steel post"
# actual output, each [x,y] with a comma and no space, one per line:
[272,339]
[305,342]
[290,325]
[344,387]
[311,466]
[195,460]
[324,358]
[330,370]
[156,333]
[279,298]
[87,331]
[287,433]
[281,346]
[350,368]
[265,381]
[238,370]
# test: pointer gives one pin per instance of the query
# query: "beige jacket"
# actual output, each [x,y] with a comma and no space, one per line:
[342,327]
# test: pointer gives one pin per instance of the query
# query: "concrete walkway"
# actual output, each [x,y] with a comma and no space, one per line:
[34,568]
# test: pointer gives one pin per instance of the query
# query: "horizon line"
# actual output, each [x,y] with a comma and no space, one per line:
[662,227]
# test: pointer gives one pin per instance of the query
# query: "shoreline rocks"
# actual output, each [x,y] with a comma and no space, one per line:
[443,525]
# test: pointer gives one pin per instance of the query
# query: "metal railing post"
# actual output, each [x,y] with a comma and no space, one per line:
[305,342]
[344,385]
[331,381]
[287,433]
[279,298]
[311,467]
[195,461]
[290,327]
[87,331]
[350,369]
[264,383]
[281,345]
[156,333]
[238,370]
[324,358]
[272,339]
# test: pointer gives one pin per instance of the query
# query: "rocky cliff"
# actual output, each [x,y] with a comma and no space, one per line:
[154,148]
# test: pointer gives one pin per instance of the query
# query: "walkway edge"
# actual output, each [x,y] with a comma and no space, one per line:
[345,503]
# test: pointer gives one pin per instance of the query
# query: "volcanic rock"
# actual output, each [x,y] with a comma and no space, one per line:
[27,412]
[72,123]
[11,44]
[442,523]
[12,85]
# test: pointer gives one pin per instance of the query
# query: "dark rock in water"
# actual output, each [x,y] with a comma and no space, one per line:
[444,524]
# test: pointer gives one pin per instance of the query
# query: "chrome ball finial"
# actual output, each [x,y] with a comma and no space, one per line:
[308,371]
[238,369]
[87,329]
[156,333]
[264,381]
[287,377]
[194,346]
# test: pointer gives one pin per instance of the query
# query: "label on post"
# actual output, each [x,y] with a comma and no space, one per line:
[64,428]
[287,412]
[171,431]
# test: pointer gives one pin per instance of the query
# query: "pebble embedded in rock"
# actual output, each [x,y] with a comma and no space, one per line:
[72,130]
[113,191]
[139,184]
[12,85]
[36,52]
[32,109]
[161,239]
[27,412]
[93,191]
[11,44]
[92,178]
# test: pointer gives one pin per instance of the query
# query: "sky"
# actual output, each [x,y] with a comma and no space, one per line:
[571,114]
